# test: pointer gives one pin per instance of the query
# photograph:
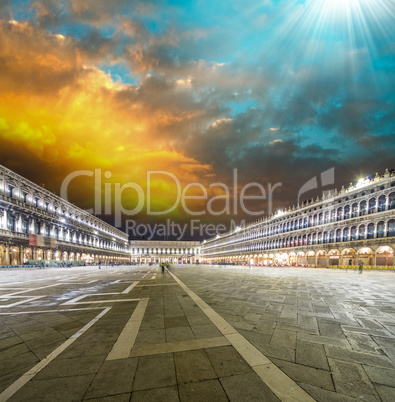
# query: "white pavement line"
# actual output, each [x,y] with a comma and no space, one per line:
[126,339]
[144,275]
[53,311]
[128,289]
[76,299]
[25,300]
[157,284]
[18,384]
[105,301]
[284,387]
[31,289]
[181,346]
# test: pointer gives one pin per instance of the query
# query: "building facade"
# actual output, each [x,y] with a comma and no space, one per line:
[352,226]
[157,251]
[28,209]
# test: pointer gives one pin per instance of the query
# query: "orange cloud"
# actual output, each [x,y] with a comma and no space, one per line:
[70,114]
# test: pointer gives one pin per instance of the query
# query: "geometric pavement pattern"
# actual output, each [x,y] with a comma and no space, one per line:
[196,333]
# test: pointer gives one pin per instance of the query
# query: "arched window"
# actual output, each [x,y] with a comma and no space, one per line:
[309,239]
[333,215]
[347,213]
[370,234]
[338,235]
[326,217]
[381,206]
[361,232]
[391,228]
[345,234]
[380,229]
[372,206]
[363,207]
[354,210]
[319,239]
[325,238]
[339,214]
[391,201]
[353,233]
[332,236]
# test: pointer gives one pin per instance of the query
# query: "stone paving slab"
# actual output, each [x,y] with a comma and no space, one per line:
[326,332]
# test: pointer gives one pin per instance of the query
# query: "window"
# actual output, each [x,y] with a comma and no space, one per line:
[381,206]
[347,212]
[370,231]
[391,228]
[11,223]
[372,206]
[25,226]
[10,190]
[391,202]
[380,229]
[354,233]
[361,231]
[36,202]
[363,208]
[47,206]
[24,197]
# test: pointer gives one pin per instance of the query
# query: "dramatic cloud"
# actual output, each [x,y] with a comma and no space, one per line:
[280,92]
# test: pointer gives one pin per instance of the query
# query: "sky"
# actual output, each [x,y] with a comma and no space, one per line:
[277,92]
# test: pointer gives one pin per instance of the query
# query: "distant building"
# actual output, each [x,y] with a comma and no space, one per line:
[355,225]
[58,230]
[155,251]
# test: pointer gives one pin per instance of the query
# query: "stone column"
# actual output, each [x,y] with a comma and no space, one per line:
[7,254]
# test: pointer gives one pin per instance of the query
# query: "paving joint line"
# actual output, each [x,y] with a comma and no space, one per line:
[282,386]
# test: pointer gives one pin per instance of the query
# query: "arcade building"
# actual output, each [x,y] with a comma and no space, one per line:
[28,211]
[355,225]
[158,251]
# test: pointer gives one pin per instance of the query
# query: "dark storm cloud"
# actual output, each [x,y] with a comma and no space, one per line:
[226,88]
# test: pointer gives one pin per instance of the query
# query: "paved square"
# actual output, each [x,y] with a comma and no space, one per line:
[196,333]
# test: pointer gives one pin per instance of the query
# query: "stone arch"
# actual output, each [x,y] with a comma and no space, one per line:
[310,256]
[38,254]
[322,259]
[14,255]
[366,256]
[384,256]
[301,258]
[348,256]
[334,257]
[292,258]
[2,255]
[27,254]
[56,255]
